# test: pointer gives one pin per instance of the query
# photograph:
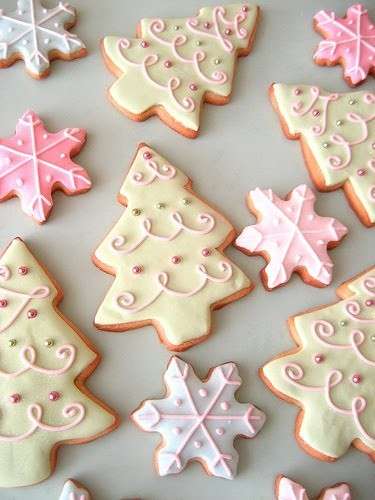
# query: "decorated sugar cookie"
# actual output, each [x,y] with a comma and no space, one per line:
[44,363]
[286,489]
[166,252]
[337,134]
[331,374]
[35,162]
[38,35]
[74,491]
[349,41]
[174,65]
[291,237]
[199,420]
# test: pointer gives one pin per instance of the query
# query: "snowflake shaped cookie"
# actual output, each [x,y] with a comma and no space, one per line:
[199,420]
[291,237]
[286,489]
[349,41]
[38,35]
[34,163]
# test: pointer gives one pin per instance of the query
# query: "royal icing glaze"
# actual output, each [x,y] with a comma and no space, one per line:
[34,33]
[339,131]
[331,375]
[34,162]
[199,420]
[290,490]
[41,404]
[291,234]
[166,253]
[349,41]
[174,62]
[72,491]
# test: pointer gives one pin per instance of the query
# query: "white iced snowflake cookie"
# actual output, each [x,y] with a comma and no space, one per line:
[44,363]
[337,135]
[199,420]
[174,65]
[167,253]
[74,491]
[38,35]
[286,489]
[291,236]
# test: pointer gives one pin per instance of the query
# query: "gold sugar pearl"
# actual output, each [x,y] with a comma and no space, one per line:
[352,101]
[136,211]
[12,342]
[186,201]
[49,342]
[160,206]
[325,145]
[339,123]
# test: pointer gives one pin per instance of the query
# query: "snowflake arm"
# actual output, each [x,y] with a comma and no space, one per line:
[33,33]
[349,41]
[74,491]
[291,235]
[34,162]
[199,421]
[286,489]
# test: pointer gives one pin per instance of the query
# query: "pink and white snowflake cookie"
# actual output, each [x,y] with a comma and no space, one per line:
[34,163]
[349,41]
[286,489]
[38,35]
[199,420]
[291,236]
[73,490]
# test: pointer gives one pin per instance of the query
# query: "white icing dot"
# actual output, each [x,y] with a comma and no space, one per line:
[4,161]
[311,217]
[220,431]
[46,41]
[289,209]
[320,242]
[10,29]
[198,444]
[20,12]
[350,21]
[63,155]
[57,25]
[202,393]
[48,178]
[371,27]
[25,42]
[19,181]
[20,142]
[176,430]
[178,403]
[298,257]
[371,58]
[45,136]
[44,11]
[339,33]
[224,406]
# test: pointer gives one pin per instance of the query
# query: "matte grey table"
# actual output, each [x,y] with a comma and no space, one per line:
[240,147]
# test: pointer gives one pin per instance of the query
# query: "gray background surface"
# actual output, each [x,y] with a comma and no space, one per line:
[240,147]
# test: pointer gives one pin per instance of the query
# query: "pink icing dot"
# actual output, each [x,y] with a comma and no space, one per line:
[15,398]
[220,431]
[168,64]
[23,270]
[54,396]
[178,403]
[369,302]
[203,393]
[176,259]
[147,155]
[176,430]
[356,378]
[361,172]
[207,25]
[224,406]
[3,302]
[198,444]
[319,358]
[137,269]
[32,313]
[206,252]
[193,87]
[144,44]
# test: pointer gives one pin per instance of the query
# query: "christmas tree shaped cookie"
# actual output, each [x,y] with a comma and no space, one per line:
[166,252]
[286,489]
[43,366]
[174,65]
[38,35]
[199,420]
[331,374]
[337,134]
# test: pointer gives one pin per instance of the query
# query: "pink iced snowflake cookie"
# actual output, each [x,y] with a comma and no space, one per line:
[199,420]
[286,489]
[34,163]
[349,41]
[291,237]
